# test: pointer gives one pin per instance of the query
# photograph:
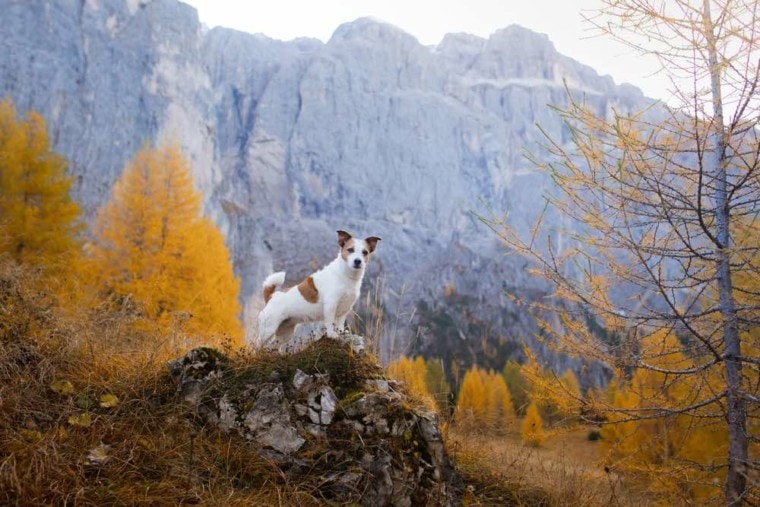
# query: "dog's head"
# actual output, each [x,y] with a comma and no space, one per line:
[356,252]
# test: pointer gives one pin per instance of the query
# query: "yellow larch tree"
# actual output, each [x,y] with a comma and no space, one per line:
[438,386]
[500,414]
[518,386]
[472,401]
[532,430]
[663,447]
[571,397]
[413,372]
[39,220]
[152,245]
[652,205]
[558,398]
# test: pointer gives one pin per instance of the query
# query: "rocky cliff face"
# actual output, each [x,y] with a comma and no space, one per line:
[371,132]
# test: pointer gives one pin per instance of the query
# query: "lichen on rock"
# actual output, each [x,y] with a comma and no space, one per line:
[325,416]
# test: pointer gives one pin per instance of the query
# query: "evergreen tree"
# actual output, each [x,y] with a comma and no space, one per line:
[437,386]
[570,397]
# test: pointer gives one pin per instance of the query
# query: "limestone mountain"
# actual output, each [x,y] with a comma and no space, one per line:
[371,132]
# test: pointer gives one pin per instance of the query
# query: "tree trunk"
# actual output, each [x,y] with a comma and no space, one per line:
[736,413]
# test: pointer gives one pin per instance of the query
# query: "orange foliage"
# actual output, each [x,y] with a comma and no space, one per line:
[484,402]
[153,247]
[664,446]
[412,372]
[532,430]
[38,218]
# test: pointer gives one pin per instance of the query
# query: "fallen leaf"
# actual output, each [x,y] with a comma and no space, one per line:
[108,400]
[81,420]
[61,433]
[98,455]
[146,444]
[32,436]
[84,401]
[62,387]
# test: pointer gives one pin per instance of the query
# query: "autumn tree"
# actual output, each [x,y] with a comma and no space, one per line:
[664,447]
[438,386]
[500,414]
[518,386]
[652,202]
[558,397]
[532,429]
[472,402]
[484,402]
[413,373]
[152,246]
[38,219]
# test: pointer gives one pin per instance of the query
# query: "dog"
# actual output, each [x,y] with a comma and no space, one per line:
[326,296]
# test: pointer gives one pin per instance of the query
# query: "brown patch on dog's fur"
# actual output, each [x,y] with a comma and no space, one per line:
[268,291]
[344,249]
[308,290]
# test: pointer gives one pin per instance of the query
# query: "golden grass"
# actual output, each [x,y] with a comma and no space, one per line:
[62,443]
[566,470]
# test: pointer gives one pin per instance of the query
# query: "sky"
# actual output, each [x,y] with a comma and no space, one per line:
[430,20]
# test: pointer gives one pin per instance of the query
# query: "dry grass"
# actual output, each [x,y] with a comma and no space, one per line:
[566,470]
[60,443]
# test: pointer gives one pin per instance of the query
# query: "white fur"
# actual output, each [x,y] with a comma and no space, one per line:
[275,279]
[338,285]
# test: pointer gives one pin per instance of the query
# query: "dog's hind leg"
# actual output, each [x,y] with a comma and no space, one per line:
[285,332]
[268,326]
[286,329]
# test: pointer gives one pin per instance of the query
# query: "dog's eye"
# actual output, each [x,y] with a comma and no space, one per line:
[364,252]
[350,250]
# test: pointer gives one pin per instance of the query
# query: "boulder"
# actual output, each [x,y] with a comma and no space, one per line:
[325,410]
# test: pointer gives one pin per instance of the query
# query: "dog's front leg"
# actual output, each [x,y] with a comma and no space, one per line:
[341,323]
[331,310]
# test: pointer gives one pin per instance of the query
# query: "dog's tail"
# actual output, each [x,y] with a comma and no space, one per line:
[271,283]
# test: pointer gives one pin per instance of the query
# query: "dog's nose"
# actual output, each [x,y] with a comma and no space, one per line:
[357,262]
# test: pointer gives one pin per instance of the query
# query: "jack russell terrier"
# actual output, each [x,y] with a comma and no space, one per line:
[326,296]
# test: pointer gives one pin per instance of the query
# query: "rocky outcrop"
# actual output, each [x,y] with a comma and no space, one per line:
[325,411]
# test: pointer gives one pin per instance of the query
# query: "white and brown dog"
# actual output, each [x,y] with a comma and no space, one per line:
[326,296]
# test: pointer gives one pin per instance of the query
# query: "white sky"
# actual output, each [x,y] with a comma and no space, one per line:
[429,20]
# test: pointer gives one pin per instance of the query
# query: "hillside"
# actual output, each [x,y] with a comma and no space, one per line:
[92,415]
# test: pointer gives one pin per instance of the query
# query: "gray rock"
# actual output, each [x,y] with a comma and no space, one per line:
[355,341]
[328,404]
[375,451]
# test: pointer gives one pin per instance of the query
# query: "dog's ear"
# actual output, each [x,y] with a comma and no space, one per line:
[343,238]
[372,243]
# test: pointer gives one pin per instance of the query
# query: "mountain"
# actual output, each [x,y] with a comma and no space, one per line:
[371,132]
